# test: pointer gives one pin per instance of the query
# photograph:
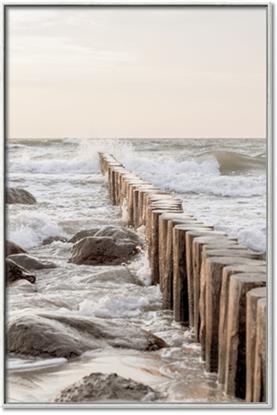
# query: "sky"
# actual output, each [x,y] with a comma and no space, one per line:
[136,72]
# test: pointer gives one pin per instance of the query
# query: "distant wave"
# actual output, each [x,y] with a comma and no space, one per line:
[11,145]
[231,162]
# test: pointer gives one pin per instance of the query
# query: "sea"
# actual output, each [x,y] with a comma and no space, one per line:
[222,182]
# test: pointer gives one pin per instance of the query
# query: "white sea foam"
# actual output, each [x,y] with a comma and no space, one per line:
[29,228]
[187,172]
[196,177]
[254,239]
[109,307]
[140,267]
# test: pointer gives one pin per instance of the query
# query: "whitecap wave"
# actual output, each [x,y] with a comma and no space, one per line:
[196,177]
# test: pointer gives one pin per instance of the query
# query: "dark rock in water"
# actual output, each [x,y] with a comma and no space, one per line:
[13,248]
[112,231]
[29,262]
[51,239]
[15,272]
[106,387]
[109,245]
[69,336]
[95,250]
[19,195]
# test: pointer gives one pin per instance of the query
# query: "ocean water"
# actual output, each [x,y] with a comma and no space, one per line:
[222,182]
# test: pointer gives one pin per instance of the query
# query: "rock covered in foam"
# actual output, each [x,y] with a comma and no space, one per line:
[13,248]
[58,335]
[106,387]
[15,272]
[30,263]
[19,195]
[96,250]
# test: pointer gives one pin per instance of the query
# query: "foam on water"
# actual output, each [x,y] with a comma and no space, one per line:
[29,228]
[140,266]
[218,173]
[254,239]
[114,307]
[22,365]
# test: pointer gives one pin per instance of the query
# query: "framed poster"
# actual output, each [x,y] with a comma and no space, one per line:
[137,205]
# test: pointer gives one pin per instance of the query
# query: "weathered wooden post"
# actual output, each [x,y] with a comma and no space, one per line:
[190,235]
[235,378]
[180,284]
[212,279]
[260,369]
[163,229]
[168,259]
[154,240]
[252,298]
[250,266]
[155,209]
[130,199]
[137,190]
[197,246]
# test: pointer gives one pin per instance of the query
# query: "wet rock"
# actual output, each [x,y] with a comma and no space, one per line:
[106,387]
[69,336]
[84,234]
[103,250]
[15,272]
[13,248]
[19,195]
[50,239]
[112,231]
[117,232]
[115,274]
[30,263]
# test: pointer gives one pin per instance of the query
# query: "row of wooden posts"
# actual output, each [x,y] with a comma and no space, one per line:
[214,285]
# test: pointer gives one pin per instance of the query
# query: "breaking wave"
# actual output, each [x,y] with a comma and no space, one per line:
[233,163]
[29,228]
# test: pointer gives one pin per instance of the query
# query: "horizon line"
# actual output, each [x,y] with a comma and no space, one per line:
[135,138]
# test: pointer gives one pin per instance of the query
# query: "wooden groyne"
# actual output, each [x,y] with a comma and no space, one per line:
[213,285]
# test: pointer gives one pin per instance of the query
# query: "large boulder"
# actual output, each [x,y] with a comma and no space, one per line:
[106,387]
[15,272]
[58,335]
[106,250]
[19,195]
[30,263]
[112,231]
[13,248]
